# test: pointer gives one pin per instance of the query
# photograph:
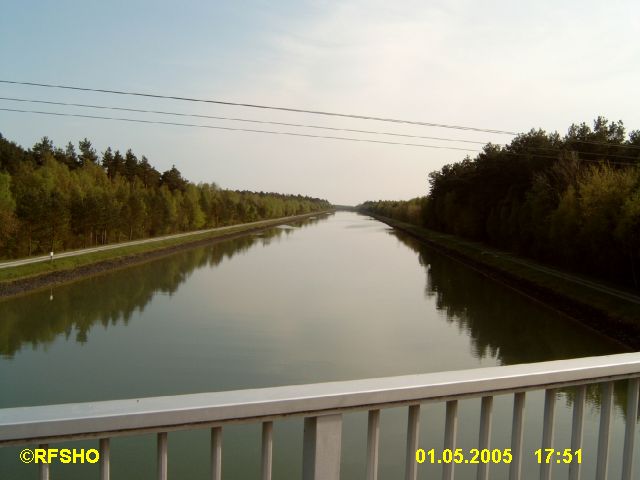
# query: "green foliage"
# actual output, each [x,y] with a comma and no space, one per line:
[572,201]
[87,153]
[57,199]
[8,222]
[407,211]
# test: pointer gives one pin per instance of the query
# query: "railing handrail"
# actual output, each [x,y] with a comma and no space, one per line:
[39,424]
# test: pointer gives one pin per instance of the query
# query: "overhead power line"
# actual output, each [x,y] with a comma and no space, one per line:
[604,144]
[320,127]
[555,157]
[265,122]
[263,107]
[556,149]
[299,110]
[216,127]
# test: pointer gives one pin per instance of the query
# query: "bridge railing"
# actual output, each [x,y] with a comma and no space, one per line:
[323,404]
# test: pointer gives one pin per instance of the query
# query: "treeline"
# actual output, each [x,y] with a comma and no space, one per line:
[54,199]
[572,201]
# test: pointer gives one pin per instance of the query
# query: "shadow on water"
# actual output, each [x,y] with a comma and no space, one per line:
[468,300]
[72,310]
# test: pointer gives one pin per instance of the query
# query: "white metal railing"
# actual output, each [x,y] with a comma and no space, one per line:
[322,405]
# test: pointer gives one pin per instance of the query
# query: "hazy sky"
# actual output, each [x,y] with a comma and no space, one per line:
[494,64]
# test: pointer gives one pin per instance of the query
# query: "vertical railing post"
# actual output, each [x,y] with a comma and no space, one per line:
[216,453]
[322,446]
[373,440]
[413,430]
[44,467]
[162,456]
[267,450]
[450,430]
[516,436]
[576,429]
[547,431]
[606,406]
[484,438]
[104,459]
[630,428]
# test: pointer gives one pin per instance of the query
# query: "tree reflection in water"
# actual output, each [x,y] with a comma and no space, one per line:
[36,320]
[508,330]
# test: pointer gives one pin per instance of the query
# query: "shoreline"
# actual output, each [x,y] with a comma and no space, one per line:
[611,317]
[32,283]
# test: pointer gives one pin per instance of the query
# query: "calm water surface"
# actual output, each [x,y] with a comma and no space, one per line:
[336,297]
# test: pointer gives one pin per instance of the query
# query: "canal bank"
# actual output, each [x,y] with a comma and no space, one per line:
[26,278]
[604,308]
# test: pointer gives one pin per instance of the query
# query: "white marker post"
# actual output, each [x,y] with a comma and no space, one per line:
[51,256]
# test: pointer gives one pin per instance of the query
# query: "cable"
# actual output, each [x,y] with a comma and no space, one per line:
[158,122]
[556,157]
[264,107]
[604,144]
[104,107]
[552,149]
[520,154]
[161,112]
[288,109]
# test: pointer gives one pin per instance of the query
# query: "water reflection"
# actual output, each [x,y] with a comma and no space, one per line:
[343,300]
[72,310]
[504,327]
[508,329]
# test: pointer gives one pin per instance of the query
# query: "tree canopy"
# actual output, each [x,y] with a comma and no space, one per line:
[56,199]
[573,201]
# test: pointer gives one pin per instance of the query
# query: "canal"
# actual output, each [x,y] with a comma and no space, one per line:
[335,297]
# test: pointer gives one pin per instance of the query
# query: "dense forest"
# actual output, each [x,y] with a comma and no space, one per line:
[572,201]
[54,199]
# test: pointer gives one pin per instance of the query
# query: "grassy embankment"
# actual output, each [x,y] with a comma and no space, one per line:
[64,269]
[608,309]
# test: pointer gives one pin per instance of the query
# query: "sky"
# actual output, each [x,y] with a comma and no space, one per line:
[494,64]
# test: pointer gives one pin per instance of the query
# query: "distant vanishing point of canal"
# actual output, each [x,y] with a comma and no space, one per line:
[335,297]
